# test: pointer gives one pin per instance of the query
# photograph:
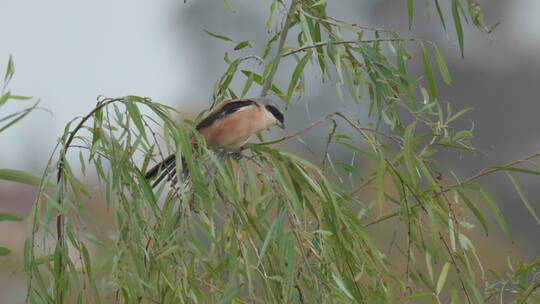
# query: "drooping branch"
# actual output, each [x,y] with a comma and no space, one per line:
[279,52]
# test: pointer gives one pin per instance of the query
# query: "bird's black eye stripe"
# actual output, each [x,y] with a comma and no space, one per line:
[277,114]
[226,110]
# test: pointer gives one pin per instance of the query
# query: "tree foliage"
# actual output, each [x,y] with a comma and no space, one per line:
[5,123]
[272,227]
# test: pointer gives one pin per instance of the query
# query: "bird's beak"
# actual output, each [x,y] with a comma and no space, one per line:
[281,125]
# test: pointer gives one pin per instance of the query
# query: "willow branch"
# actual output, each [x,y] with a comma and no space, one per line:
[323,119]
[279,53]
[503,167]
[316,45]
[466,181]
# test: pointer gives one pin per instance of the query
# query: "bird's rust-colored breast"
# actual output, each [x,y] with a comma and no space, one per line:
[234,130]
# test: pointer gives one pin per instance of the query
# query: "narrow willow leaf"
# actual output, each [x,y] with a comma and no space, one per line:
[410,12]
[7,96]
[458,114]
[19,115]
[342,286]
[499,217]
[475,211]
[22,177]
[443,69]
[457,24]
[4,251]
[229,6]
[523,197]
[439,12]
[305,28]
[296,74]
[400,59]
[247,85]
[135,115]
[218,36]
[268,22]
[428,70]
[242,45]
[277,223]
[10,217]
[10,69]
[4,98]
[381,169]
[268,45]
[408,153]
[260,80]
[442,277]
[454,294]
[19,97]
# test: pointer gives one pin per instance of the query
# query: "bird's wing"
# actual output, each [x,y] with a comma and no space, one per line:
[224,109]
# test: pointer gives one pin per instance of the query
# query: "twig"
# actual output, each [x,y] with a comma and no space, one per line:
[323,119]
[374,29]
[305,48]
[457,268]
[328,142]
[489,171]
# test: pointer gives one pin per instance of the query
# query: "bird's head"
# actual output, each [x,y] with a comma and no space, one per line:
[273,111]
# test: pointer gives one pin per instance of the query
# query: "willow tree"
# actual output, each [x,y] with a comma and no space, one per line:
[271,226]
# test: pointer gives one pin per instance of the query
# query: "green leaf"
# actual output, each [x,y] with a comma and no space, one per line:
[410,12]
[408,153]
[458,114]
[19,97]
[381,170]
[457,24]
[443,69]
[229,6]
[275,225]
[10,217]
[7,96]
[297,73]
[19,115]
[242,45]
[218,36]
[439,12]
[10,70]
[442,277]
[135,115]
[4,251]
[305,28]
[497,213]
[22,177]
[259,80]
[268,22]
[523,197]
[4,98]
[475,211]
[428,70]
[342,286]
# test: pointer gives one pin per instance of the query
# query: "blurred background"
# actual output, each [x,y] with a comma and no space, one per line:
[67,53]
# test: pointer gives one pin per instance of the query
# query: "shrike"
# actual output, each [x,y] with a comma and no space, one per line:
[227,128]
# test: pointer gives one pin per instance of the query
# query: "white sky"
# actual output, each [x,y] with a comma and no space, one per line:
[69,52]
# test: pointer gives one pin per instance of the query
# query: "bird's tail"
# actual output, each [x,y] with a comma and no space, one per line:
[166,169]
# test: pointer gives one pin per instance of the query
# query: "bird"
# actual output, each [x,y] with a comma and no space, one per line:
[227,127]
